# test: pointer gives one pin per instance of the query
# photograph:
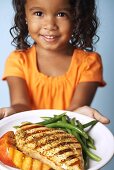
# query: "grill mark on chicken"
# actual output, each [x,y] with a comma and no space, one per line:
[56,144]
[52,146]
[46,137]
[42,135]
[59,145]
[48,141]
[73,156]
[70,164]
[63,151]
[41,131]
[71,160]
[63,143]
[75,163]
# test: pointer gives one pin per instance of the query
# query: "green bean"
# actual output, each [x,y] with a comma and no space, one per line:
[89,142]
[88,152]
[64,119]
[79,124]
[91,155]
[92,123]
[73,121]
[52,120]
[16,127]
[91,145]
[68,126]
[45,117]
[85,157]
[85,142]
[69,131]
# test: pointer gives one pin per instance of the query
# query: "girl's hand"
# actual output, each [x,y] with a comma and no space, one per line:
[6,111]
[93,113]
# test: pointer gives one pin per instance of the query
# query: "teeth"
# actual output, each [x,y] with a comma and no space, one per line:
[50,37]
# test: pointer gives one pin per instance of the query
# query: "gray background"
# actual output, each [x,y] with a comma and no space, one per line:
[104,99]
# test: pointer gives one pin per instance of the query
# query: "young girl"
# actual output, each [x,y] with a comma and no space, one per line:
[59,70]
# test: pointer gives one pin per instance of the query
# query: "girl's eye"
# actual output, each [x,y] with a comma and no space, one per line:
[61,14]
[39,13]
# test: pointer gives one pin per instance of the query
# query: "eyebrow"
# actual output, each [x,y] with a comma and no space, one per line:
[35,8]
[67,9]
[39,8]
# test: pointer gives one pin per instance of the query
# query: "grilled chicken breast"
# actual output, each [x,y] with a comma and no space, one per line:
[54,147]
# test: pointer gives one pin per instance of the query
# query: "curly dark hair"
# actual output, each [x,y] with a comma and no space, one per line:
[85,24]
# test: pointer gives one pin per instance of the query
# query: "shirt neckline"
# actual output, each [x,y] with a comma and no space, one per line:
[53,77]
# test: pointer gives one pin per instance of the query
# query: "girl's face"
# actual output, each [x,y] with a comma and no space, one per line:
[49,23]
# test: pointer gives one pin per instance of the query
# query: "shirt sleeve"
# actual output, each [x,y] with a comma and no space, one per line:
[92,69]
[14,66]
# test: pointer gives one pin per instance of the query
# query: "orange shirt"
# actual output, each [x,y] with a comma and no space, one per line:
[54,92]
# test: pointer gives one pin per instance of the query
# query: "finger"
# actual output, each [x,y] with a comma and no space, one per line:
[100,117]
[1,116]
[9,111]
[85,110]
[2,113]
[93,113]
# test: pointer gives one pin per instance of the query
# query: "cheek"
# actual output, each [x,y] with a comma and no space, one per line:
[67,27]
[33,27]
[67,30]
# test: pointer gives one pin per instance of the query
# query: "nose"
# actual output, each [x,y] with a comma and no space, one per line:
[50,23]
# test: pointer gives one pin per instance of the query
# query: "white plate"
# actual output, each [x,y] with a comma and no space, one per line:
[104,140]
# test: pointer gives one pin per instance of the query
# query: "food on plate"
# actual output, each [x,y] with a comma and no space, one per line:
[77,129]
[11,156]
[7,142]
[57,142]
[54,147]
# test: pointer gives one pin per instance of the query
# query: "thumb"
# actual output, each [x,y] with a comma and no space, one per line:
[7,111]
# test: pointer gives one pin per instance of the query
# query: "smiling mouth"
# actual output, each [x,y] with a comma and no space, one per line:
[49,38]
